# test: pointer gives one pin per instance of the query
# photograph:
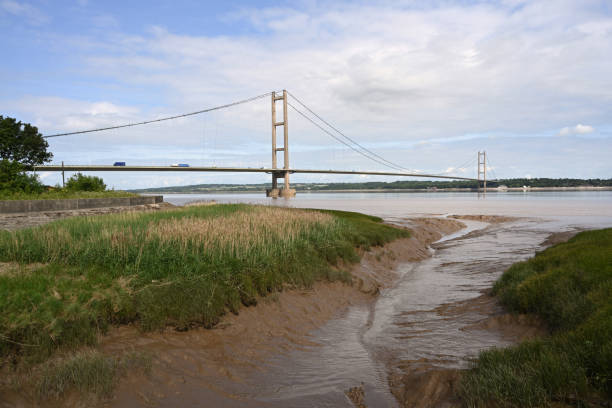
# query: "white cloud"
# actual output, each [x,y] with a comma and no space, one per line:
[444,71]
[32,14]
[408,82]
[62,114]
[579,129]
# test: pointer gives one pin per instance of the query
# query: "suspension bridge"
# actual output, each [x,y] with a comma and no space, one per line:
[280,130]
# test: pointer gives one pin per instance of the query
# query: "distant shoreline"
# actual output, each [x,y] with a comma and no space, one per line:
[389,190]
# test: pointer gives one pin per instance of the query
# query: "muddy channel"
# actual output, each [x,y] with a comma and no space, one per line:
[417,313]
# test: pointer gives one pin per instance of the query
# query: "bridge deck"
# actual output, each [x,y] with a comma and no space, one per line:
[237,170]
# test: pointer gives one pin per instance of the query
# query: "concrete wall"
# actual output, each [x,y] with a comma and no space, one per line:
[25,206]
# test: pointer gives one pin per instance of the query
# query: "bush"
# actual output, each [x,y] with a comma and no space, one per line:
[13,178]
[79,182]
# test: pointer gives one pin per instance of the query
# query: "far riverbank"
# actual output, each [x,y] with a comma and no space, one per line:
[379,190]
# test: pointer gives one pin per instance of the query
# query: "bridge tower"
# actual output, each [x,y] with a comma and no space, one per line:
[482,170]
[283,173]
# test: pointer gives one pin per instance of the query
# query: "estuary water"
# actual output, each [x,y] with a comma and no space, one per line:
[429,319]
[581,205]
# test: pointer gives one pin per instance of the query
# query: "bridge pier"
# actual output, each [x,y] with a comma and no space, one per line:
[275,191]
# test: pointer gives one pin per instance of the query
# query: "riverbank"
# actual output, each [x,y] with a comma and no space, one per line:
[555,311]
[68,274]
[568,287]
[207,365]
[216,365]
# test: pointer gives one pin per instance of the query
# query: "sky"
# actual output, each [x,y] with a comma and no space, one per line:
[424,84]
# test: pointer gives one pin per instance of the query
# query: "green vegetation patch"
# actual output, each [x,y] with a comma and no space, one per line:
[570,287]
[73,278]
[89,372]
[63,194]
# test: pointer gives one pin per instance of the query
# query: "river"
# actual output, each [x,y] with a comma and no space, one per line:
[429,319]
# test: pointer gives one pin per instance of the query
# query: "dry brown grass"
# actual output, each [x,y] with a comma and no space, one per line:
[237,230]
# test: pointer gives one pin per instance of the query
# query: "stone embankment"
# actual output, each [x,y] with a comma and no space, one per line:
[26,206]
[18,220]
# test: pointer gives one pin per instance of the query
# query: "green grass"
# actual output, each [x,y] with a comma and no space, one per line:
[72,279]
[64,194]
[570,287]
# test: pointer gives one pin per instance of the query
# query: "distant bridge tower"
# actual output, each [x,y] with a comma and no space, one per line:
[286,191]
[482,170]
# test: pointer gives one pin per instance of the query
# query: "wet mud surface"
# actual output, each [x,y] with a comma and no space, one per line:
[441,333]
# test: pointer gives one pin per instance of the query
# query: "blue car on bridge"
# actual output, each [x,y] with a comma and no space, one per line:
[119,164]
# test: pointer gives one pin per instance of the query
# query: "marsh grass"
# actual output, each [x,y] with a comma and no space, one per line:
[570,287]
[73,278]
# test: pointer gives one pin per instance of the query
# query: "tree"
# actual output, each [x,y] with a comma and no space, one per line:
[21,148]
[21,143]
[79,182]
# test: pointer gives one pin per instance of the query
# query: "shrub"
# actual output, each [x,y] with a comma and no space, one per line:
[80,182]
[13,178]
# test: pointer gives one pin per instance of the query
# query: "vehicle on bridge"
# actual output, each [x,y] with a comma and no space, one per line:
[119,164]
[179,165]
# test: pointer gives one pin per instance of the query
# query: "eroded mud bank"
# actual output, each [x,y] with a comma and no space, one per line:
[212,364]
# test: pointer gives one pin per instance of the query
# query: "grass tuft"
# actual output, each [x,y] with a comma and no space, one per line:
[89,372]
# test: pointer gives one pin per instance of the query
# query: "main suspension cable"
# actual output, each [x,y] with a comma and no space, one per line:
[390,164]
[162,119]
[340,140]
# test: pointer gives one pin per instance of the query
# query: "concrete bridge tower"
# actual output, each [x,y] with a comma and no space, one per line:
[283,173]
[482,170]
